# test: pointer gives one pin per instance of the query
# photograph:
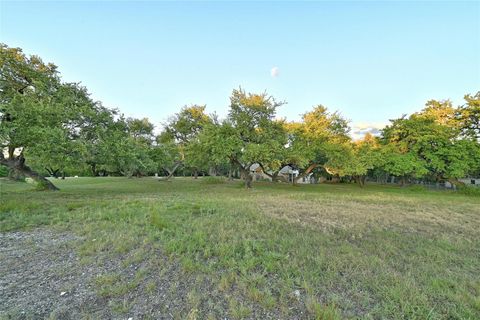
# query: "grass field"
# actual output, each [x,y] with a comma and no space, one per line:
[278,251]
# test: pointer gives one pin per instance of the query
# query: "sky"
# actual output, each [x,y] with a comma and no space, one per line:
[371,61]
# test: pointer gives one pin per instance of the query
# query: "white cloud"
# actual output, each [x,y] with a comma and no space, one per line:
[275,72]
[360,129]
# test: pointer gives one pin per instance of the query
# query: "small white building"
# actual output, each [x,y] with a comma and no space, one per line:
[287,172]
[471,181]
[474,182]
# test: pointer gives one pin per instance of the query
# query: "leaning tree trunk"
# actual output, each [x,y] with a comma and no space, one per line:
[18,164]
[43,183]
[305,173]
[456,183]
[273,176]
[172,171]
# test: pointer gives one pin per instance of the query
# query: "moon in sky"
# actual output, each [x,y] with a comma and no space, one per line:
[275,72]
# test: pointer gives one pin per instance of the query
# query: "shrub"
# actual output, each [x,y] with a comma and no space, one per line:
[3,171]
[417,188]
[469,190]
[214,180]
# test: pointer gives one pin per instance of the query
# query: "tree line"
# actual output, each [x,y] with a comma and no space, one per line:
[50,127]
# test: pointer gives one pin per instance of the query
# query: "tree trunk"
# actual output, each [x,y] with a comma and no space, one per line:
[43,183]
[275,176]
[305,173]
[172,171]
[93,168]
[212,171]
[360,180]
[245,173]
[248,180]
[272,176]
[456,183]
[14,175]
[195,173]
[63,174]
[52,172]
[18,164]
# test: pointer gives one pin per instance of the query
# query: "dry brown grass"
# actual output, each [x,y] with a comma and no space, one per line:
[360,214]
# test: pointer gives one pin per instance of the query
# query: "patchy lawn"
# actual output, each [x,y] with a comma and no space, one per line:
[119,248]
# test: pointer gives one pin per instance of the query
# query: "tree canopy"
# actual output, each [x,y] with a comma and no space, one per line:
[52,127]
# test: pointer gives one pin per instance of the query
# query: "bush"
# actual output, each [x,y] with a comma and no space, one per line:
[417,188]
[469,190]
[214,180]
[3,171]
[13,175]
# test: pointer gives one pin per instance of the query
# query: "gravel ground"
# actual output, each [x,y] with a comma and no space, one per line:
[42,277]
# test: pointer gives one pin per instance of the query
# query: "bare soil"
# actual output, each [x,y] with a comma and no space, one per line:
[41,276]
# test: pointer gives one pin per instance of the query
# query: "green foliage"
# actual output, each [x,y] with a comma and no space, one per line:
[178,143]
[403,164]
[214,180]
[469,116]
[186,125]
[3,171]
[56,127]
[167,153]
[430,142]
[354,159]
[320,136]
[59,127]
[469,190]
[249,134]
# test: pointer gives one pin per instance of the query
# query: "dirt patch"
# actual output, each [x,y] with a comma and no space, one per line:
[41,276]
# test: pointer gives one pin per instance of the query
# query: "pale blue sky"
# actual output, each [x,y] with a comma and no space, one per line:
[370,60]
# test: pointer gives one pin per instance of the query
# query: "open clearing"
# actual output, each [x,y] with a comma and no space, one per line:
[196,249]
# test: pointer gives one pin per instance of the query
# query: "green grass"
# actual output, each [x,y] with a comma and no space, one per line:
[334,251]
